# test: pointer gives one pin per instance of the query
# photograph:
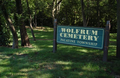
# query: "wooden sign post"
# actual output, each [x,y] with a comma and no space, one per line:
[106,41]
[55,36]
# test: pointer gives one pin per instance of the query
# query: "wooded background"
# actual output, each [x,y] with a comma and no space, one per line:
[16,14]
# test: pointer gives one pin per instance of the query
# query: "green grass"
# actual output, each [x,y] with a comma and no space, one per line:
[68,62]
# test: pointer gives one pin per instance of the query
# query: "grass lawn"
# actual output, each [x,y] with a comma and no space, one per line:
[39,61]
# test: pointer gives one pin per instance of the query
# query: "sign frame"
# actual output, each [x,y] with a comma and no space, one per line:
[105,44]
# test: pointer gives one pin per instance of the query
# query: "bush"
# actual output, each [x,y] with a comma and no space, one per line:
[4,33]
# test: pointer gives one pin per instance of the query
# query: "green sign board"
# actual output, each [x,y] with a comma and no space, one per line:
[81,36]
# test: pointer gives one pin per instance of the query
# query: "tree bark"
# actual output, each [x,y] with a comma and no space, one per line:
[24,37]
[83,14]
[98,13]
[54,9]
[35,19]
[11,26]
[30,21]
[118,29]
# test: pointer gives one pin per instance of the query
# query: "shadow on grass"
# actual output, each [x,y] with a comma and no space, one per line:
[67,62]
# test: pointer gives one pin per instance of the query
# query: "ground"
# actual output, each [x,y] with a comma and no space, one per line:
[39,61]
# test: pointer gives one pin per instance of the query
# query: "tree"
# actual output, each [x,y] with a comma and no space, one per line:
[30,21]
[24,37]
[10,24]
[83,14]
[56,8]
[118,29]
[98,13]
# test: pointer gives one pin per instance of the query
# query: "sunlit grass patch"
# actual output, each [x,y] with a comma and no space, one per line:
[113,37]
[91,67]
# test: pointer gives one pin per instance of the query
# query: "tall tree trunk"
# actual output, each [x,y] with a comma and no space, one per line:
[118,29]
[24,37]
[58,7]
[11,26]
[55,11]
[30,21]
[98,13]
[35,19]
[83,14]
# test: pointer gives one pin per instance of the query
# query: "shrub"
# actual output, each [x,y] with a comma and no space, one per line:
[4,33]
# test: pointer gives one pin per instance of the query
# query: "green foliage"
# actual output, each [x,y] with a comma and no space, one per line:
[97,12]
[4,33]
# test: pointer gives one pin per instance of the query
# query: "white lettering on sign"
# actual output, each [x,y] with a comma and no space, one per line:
[87,43]
[91,35]
[79,31]
[79,36]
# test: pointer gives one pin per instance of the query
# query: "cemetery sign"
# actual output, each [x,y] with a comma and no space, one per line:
[81,36]
[97,38]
